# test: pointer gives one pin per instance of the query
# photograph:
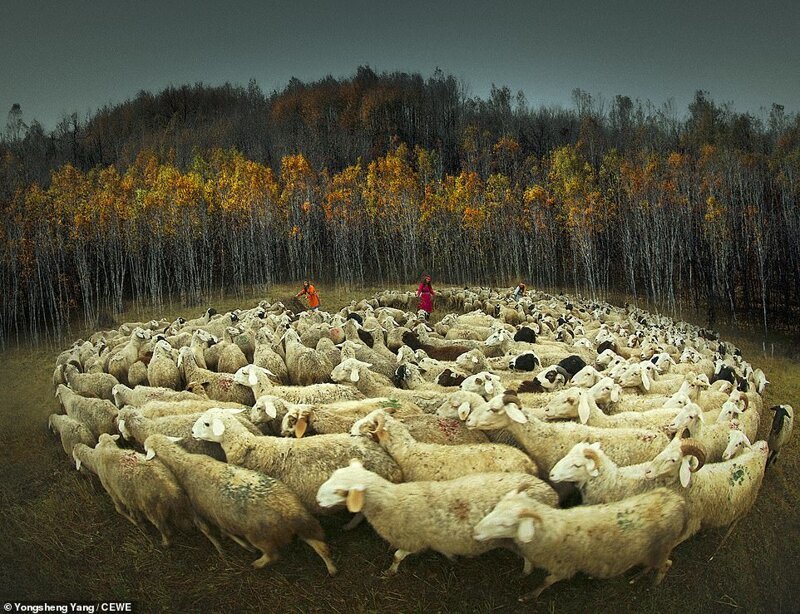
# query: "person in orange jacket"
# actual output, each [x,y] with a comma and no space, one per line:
[311,292]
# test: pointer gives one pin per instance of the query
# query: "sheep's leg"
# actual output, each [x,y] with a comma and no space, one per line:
[205,529]
[399,555]
[265,559]
[662,571]
[118,505]
[163,528]
[640,573]
[527,567]
[534,594]
[239,541]
[724,538]
[321,548]
[353,522]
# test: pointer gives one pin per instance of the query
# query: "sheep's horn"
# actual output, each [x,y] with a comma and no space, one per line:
[692,447]
[510,396]
[529,513]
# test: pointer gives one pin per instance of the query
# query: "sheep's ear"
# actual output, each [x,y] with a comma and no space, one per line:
[300,427]
[355,500]
[584,409]
[77,462]
[645,380]
[354,376]
[686,471]
[463,411]
[591,467]
[515,413]
[151,454]
[525,530]
[217,427]
[270,409]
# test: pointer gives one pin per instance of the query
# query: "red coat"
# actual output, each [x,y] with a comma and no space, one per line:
[425,294]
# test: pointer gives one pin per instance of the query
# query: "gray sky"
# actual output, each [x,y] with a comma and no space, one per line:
[76,55]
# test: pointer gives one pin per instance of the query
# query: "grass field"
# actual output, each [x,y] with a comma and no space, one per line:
[62,540]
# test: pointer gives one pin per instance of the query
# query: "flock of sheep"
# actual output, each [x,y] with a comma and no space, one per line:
[582,436]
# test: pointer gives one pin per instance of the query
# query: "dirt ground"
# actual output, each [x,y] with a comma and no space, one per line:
[62,540]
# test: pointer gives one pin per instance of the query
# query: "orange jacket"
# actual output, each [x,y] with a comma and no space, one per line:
[313,297]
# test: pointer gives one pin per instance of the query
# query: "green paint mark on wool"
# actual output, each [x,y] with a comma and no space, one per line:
[243,487]
[738,474]
[626,520]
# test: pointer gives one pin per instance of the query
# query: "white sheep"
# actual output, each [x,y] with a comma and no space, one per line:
[137,427]
[137,488]
[581,403]
[602,541]
[267,358]
[600,479]
[546,443]
[71,432]
[422,461]
[359,375]
[302,464]
[258,380]
[123,395]
[718,494]
[95,385]
[218,386]
[253,509]
[120,361]
[97,415]
[231,356]
[417,516]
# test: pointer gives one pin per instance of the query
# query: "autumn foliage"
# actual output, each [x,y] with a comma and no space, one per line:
[377,178]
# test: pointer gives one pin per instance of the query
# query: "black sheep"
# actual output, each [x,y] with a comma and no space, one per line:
[572,364]
[527,361]
[526,334]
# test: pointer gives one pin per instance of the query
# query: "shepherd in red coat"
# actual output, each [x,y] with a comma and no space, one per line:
[425,294]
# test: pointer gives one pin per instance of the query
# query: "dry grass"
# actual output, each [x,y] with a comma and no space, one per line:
[63,540]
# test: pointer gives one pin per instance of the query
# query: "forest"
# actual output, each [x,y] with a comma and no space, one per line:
[376,178]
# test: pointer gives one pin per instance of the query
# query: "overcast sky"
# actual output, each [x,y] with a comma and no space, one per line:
[76,55]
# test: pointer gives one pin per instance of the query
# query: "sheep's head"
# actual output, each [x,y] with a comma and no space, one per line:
[497,413]
[583,462]
[406,355]
[512,517]
[498,337]
[296,422]
[575,402]
[459,405]
[485,384]
[252,375]
[606,392]
[605,357]
[586,377]
[679,459]
[737,443]
[266,408]
[349,370]
[689,418]
[107,441]
[470,361]
[372,425]
[211,425]
[345,486]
